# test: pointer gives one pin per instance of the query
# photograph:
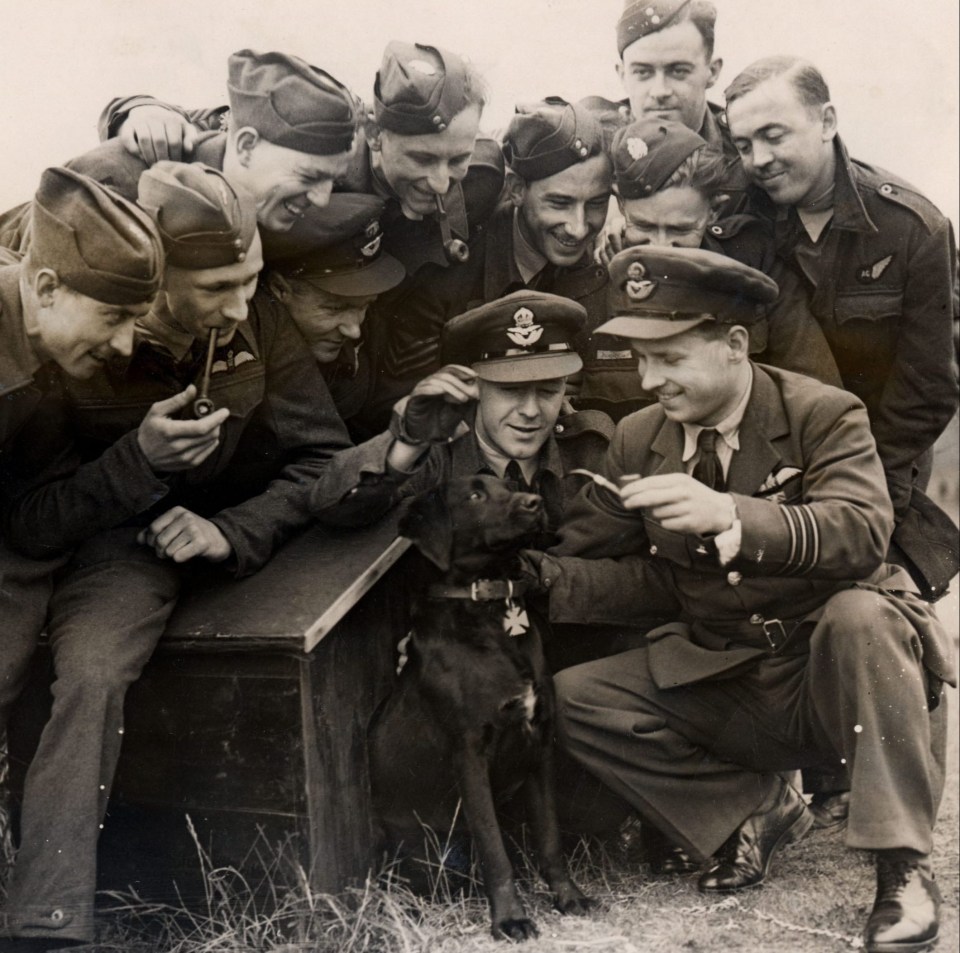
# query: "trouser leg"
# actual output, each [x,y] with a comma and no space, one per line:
[659,749]
[106,615]
[866,703]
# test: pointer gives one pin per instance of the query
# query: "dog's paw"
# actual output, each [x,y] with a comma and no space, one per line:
[576,904]
[514,928]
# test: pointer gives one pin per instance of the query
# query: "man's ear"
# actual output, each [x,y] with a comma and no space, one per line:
[738,340]
[515,188]
[371,132]
[245,141]
[716,65]
[828,117]
[427,524]
[618,66]
[278,286]
[45,283]
[717,201]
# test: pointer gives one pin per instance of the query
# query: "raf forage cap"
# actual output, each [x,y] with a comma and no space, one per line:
[646,153]
[337,248]
[418,89]
[546,137]
[291,103]
[203,221]
[642,17]
[525,336]
[99,244]
[659,291]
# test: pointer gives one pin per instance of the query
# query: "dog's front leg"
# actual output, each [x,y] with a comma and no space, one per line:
[542,808]
[508,918]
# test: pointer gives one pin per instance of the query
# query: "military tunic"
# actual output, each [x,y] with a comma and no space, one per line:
[691,729]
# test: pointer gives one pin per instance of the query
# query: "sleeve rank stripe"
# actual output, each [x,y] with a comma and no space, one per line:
[804,540]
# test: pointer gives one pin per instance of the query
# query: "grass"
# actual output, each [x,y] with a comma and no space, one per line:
[816,900]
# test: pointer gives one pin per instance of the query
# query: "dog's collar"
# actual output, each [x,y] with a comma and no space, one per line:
[482,590]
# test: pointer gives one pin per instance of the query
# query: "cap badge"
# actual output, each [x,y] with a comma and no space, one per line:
[524,333]
[372,229]
[422,67]
[372,247]
[636,147]
[638,287]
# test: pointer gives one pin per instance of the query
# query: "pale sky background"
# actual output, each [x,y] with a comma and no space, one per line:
[892,65]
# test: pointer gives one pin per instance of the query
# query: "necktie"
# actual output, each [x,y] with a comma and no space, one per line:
[514,476]
[708,469]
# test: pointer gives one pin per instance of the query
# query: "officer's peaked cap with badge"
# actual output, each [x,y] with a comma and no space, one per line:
[546,137]
[337,248]
[99,244]
[204,222]
[658,291]
[647,152]
[525,336]
[643,17]
[291,103]
[419,89]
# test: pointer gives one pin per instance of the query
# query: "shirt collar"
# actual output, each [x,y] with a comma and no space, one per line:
[528,260]
[155,330]
[728,428]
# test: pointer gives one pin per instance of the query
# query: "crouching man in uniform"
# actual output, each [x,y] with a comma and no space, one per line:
[158,489]
[758,497]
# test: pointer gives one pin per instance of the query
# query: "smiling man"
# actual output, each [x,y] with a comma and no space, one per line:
[291,133]
[326,272]
[156,490]
[757,497]
[495,407]
[540,236]
[878,265]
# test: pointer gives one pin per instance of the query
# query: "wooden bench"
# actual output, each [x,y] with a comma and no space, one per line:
[251,718]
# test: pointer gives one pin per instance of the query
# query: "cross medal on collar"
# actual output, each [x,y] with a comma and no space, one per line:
[515,620]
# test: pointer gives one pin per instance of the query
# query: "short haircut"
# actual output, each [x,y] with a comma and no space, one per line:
[805,78]
[475,90]
[702,170]
[703,15]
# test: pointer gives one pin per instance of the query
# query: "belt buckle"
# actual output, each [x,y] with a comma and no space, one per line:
[776,637]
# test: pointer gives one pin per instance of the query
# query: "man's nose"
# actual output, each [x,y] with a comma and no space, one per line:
[349,325]
[438,178]
[659,88]
[761,154]
[319,194]
[122,340]
[235,306]
[650,377]
[576,224]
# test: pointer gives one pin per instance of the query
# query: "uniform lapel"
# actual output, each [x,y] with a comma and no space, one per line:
[668,445]
[764,422]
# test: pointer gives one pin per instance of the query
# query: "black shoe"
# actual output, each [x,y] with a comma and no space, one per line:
[905,915]
[745,857]
[666,858]
[830,809]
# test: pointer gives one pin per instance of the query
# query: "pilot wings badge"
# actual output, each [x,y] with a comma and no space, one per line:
[524,333]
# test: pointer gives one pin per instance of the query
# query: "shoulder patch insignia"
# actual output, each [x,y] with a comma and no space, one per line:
[867,274]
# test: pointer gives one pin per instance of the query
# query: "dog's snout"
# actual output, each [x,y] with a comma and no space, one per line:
[529,501]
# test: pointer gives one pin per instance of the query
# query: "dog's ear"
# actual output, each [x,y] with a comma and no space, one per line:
[427,524]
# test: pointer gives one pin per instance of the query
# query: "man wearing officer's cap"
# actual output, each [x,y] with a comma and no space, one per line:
[759,495]
[541,236]
[326,272]
[291,131]
[494,407]
[157,489]
[669,183]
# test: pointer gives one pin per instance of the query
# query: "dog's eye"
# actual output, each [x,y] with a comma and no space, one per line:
[475,496]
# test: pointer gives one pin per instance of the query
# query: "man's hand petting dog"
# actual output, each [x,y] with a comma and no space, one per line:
[475,701]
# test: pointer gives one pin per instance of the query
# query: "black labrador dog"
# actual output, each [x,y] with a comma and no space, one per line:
[471,717]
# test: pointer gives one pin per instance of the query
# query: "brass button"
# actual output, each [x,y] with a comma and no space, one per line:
[558,428]
[756,619]
[734,578]
[653,550]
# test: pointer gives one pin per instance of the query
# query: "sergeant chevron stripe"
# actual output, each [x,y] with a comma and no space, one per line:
[804,540]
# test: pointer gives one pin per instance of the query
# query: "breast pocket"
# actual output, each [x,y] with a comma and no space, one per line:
[870,306]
